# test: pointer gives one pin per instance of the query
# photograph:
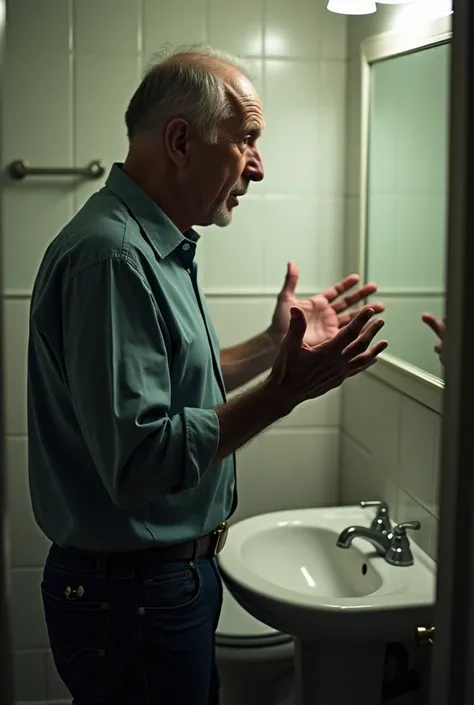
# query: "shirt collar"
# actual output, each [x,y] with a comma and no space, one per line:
[162,233]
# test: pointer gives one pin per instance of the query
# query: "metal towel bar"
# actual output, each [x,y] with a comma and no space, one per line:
[19,170]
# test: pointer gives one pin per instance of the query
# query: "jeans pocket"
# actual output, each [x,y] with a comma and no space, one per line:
[77,630]
[171,589]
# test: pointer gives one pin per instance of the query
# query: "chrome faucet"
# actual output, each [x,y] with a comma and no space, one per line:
[394,545]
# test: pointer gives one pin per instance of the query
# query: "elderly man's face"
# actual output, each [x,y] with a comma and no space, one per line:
[227,167]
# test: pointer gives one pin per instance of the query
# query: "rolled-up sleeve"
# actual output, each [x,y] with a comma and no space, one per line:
[117,369]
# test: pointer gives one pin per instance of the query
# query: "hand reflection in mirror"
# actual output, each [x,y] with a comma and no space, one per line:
[438,327]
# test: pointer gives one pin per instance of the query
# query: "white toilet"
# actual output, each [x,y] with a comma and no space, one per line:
[255,662]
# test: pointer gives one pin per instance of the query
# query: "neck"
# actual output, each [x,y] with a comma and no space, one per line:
[159,186]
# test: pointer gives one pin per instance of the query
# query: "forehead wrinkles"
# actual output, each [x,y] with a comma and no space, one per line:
[246,105]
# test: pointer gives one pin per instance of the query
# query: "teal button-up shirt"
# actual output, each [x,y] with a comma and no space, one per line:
[123,377]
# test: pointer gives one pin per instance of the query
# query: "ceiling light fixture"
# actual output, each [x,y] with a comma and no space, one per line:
[352,7]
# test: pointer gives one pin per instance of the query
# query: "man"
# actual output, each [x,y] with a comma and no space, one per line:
[131,439]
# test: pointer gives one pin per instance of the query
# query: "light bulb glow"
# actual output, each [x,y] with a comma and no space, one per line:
[416,14]
[352,7]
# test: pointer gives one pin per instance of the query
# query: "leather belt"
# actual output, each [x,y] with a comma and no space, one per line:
[209,545]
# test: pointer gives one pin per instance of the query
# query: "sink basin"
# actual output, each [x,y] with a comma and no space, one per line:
[287,571]
[305,560]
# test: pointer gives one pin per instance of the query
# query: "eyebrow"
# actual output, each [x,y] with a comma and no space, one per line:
[254,129]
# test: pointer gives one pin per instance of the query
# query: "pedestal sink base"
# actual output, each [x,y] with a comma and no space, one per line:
[338,674]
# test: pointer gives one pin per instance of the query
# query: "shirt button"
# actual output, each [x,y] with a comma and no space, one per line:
[186,246]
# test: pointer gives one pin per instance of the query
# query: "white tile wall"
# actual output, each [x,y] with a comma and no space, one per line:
[389,443]
[28,545]
[72,65]
[268,466]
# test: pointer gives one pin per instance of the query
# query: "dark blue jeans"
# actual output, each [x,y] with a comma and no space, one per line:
[129,630]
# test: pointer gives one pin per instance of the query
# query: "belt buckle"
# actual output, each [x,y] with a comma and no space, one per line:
[220,536]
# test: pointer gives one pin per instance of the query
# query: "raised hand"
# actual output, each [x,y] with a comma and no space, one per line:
[438,327]
[325,313]
[303,372]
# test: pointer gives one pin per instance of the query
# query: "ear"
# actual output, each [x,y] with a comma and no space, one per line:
[177,138]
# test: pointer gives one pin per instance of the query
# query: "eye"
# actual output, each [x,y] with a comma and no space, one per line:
[246,141]
[249,139]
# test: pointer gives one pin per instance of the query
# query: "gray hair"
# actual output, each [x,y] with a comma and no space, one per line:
[174,87]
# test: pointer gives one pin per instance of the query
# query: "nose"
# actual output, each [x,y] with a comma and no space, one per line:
[254,167]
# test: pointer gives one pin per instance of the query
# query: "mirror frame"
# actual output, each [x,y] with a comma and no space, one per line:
[407,378]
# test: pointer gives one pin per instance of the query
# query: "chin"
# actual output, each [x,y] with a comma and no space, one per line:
[220,220]
[222,217]
[223,223]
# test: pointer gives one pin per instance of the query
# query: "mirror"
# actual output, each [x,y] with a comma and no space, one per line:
[406,195]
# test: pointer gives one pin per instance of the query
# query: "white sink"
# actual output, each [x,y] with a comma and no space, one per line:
[287,571]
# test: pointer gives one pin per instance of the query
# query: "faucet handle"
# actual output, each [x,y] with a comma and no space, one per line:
[381,521]
[399,552]
[374,503]
[401,529]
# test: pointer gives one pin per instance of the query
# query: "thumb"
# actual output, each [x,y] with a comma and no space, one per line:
[297,327]
[291,279]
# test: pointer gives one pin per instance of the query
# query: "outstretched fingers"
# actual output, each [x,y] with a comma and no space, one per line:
[340,288]
[345,318]
[359,326]
[437,326]
[363,340]
[366,359]
[360,354]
